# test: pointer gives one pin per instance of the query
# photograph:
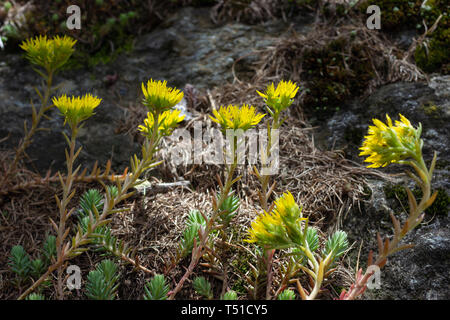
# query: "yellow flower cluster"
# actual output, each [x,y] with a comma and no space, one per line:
[233,117]
[279,98]
[167,122]
[388,143]
[280,228]
[158,97]
[76,109]
[50,54]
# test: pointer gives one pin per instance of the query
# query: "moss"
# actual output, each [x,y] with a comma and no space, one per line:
[107,27]
[431,110]
[354,135]
[334,73]
[434,55]
[103,56]
[439,206]
[239,286]
[241,263]
[396,15]
[442,164]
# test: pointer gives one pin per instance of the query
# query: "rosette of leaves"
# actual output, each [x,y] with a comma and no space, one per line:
[102,282]
[203,287]
[19,263]
[35,296]
[228,208]
[287,294]
[194,222]
[230,295]
[156,288]
[24,267]
[102,238]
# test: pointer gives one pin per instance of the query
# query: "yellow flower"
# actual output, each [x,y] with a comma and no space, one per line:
[388,143]
[167,122]
[279,98]
[233,117]
[76,109]
[280,228]
[158,97]
[50,54]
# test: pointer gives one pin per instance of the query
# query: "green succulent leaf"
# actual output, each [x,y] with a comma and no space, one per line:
[37,268]
[194,221]
[49,249]
[102,282]
[287,294]
[35,296]
[90,199]
[312,239]
[203,287]
[195,217]
[156,288]
[228,208]
[230,295]
[19,262]
[337,244]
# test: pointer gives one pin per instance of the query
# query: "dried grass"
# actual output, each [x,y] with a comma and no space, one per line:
[285,58]
[327,185]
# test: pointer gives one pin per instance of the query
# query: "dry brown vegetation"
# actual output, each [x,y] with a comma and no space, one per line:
[325,183]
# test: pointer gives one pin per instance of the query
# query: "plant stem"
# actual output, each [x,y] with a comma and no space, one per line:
[34,126]
[414,219]
[197,252]
[71,249]
[63,214]
[264,198]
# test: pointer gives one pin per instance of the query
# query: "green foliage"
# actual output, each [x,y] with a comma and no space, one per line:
[35,296]
[102,238]
[112,189]
[228,209]
[439,206]
[37,268]
[90,199]
[434,54]
[396,14]
[49,249]
[27,269]
[102,282]
[7,5]
[19,262]
[287,294]
[230,295]
[337,244]
[312,238]
[203,287]
[156,288]
[333,73]
[194,221]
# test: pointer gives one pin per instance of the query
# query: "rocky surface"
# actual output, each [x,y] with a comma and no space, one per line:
[421,272]
[189,49]
[428,104]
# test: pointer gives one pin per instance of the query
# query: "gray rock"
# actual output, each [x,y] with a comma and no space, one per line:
[188,48]
[419,102]
[420,272]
